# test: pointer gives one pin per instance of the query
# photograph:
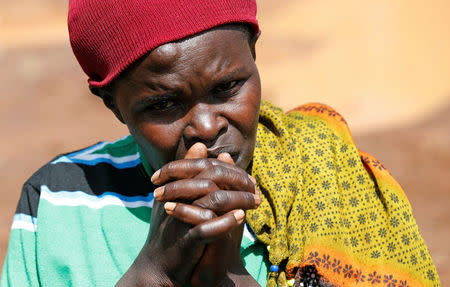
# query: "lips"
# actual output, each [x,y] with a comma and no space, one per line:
[214,152]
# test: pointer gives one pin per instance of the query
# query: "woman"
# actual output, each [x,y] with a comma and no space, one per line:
[182,76]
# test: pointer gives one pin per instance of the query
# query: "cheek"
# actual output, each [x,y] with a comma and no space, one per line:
[163,137]
[245,118]
[248,107]
[157,142]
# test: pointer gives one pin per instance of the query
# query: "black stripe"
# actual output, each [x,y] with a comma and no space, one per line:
[94,180]
[29,200]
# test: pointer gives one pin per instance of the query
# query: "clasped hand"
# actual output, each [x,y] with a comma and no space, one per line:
[197,223]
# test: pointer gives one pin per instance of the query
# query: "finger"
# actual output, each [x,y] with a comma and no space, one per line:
[180,169]
[189,168]
[198,150]
[185,189]
[189,214]
[226,157]
[252,179]
[216,227]
[221,201]
[228,178]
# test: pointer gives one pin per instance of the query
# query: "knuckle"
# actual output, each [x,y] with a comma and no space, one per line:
[168,168]
[219,199]
[250,185]
[207,214]
[168,187]
[210,185]
[220,170]
[248,198]
[205,163]
[216,162]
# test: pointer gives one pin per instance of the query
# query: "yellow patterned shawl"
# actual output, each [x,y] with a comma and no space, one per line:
[324,203]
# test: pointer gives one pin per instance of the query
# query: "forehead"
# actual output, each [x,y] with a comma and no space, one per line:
[217,45]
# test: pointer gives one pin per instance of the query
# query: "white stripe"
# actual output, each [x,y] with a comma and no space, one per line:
[24,225]
[118,160]
[248,234]
[25,222]
[86,154]
[62,159]
[79,198]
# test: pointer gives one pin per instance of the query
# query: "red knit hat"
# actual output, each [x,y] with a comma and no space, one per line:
[109,35]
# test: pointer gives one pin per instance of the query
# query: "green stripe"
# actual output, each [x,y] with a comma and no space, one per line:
[94,247]
[19,268]
[123,147]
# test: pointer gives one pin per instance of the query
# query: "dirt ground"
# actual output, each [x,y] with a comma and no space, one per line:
[399,114]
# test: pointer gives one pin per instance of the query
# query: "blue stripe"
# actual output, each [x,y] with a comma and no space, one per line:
[123,165]
[25,218]
[72,157]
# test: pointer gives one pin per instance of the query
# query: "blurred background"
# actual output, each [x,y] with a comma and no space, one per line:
[384,65]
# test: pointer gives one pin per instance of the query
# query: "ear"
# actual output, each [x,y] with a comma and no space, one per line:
[108,99]
[252,43]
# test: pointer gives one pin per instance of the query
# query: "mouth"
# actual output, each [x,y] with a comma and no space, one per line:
[231,149]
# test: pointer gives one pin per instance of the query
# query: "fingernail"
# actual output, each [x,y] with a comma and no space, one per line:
[257,199]
[225,157]
[169,206]
[222,156]
[159,192]
[155,175]
[257,190]
[252,179]
[239,215]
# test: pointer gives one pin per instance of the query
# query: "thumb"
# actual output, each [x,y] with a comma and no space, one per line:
[197,150]
[226,157]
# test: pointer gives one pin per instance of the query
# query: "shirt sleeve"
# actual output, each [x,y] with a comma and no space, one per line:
[20,268]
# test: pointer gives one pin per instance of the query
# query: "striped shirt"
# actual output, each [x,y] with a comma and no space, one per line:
[82,219]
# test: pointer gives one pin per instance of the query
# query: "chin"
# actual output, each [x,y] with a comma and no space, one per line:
[243,160]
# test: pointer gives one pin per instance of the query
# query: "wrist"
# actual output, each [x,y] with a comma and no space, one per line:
[235,279]
[240,276]
[237,275]
[144,273]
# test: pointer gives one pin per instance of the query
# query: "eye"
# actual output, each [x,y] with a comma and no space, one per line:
[225,87]
[162,105]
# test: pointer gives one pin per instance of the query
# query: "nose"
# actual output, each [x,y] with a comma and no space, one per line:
[205,125]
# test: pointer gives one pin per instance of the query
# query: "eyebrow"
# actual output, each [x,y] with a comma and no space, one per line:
[231,75]
[143,103]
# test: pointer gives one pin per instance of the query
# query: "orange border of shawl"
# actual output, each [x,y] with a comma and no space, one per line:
[341,270]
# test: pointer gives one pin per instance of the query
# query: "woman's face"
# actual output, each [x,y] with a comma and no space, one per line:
[202,89]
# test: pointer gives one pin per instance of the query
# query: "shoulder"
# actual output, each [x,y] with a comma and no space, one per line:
[318,129]
[317,111]
[314,118]
[99,168]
